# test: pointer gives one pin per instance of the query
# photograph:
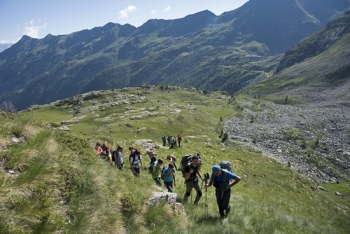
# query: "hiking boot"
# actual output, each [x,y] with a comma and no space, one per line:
[228,210]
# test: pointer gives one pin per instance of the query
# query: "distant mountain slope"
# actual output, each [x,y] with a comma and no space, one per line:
[321,70]
[201,50]
[317,43]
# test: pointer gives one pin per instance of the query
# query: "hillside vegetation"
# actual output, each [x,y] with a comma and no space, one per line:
[51,181]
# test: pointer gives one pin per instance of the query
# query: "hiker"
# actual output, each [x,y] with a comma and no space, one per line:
[191,179]
[164,140]
[105,150]
[152,154]
[179,140]
[156,171]
[168,176]
[172,159]
[98,149]
[173,143]
[169,140]
[119,160]
[135,159]
[221,180]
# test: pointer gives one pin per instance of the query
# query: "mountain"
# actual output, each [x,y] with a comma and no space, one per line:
[317,43]
[4,46]
[200,50]
[316,70]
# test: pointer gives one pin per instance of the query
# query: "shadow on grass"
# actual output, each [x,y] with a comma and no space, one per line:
[211,219]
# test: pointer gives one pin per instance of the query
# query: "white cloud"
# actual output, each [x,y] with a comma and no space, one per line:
[123,14]
[33,30]
[167,9]
[154,13]
[7,42]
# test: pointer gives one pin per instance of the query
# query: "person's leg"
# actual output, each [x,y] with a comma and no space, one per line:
[226,201]
[189,186]
[219,202]
[158,182]
[137,170]
[197,187]
[169,186]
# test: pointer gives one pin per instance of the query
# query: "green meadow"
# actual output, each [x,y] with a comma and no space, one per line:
[60,186]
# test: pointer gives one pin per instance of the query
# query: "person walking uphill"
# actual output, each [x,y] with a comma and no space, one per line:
[164,140]
[156,172]
[179,138]
[221,180]
[135,162]
[168,176]
[191,179]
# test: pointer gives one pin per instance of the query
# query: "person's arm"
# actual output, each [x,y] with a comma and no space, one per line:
[188,173]
[209,184]
[199,173]
[235,181]
[174,179]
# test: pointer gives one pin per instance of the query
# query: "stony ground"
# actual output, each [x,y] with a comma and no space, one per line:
[313,138]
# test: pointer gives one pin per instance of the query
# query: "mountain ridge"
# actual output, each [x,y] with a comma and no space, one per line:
[211,52]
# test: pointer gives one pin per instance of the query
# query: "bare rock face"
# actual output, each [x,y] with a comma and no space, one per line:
[312,139]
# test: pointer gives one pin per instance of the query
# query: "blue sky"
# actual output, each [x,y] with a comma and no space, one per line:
[37,18]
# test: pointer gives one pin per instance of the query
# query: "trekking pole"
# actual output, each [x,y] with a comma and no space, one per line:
[206,177]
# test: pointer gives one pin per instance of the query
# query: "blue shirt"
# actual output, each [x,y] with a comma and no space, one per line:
[167,172]
[222,178]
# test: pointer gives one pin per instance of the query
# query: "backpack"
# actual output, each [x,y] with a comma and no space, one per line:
[150,168]
[226,165]
[185,160]
[163,172]
[114,156]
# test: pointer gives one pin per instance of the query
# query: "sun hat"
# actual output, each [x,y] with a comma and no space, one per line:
[215,168]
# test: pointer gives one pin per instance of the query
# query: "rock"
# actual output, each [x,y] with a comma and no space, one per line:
[129,125]
[15,140]
[11,172]
[338,194]
[159,197]
[64,128]
[320,188]
[178,209]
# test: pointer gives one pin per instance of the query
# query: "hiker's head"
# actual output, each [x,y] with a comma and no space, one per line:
[195,161]
[160,162]
[216,169]
[137,152]
[98,144]
[120,148]
[131,148]
[171,165]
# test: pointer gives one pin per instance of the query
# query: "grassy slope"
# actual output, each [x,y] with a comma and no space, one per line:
[73,192]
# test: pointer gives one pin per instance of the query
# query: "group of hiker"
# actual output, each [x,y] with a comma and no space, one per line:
[173,141]
[221,177]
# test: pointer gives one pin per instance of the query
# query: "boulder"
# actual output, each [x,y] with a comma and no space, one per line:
[64,128]
[170,198]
